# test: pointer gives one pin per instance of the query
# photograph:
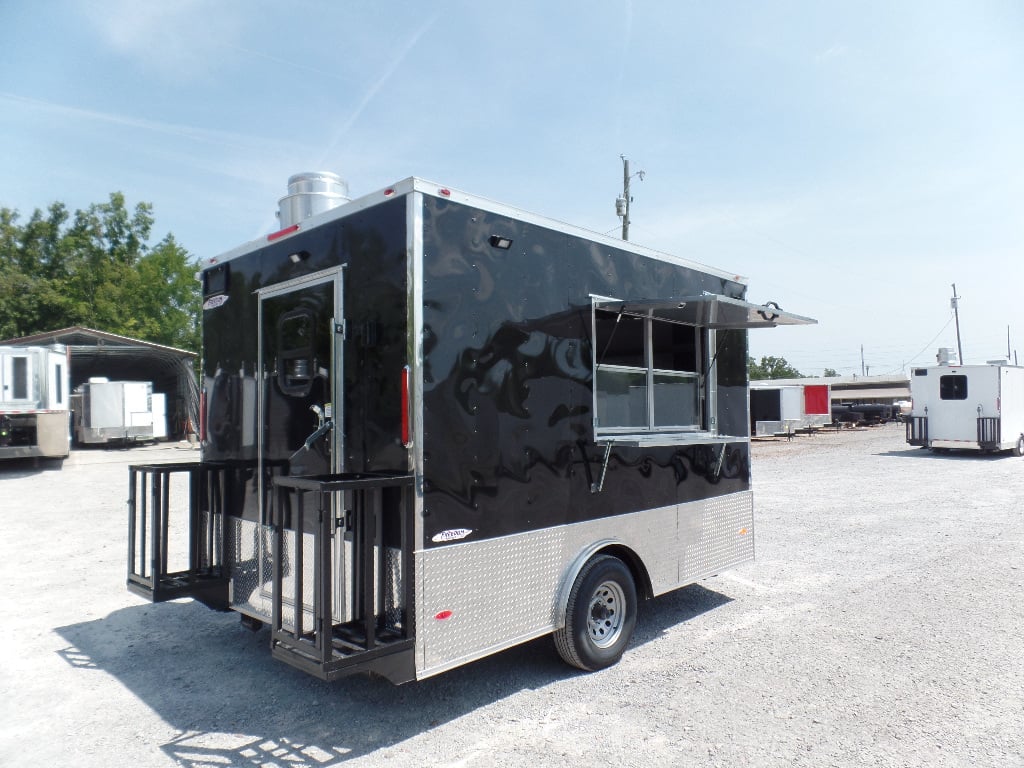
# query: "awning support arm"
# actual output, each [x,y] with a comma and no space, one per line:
[599,485]
[721,458]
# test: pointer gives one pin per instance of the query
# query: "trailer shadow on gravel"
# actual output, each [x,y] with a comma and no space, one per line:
[21,468]
[944,454]
[231,703]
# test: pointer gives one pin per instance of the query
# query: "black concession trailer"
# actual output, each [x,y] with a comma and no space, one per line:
[435,426]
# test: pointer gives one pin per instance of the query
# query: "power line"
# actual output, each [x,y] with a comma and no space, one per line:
[933,340]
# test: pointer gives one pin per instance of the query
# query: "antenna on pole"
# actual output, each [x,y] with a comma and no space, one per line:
[622,202]
[955,304]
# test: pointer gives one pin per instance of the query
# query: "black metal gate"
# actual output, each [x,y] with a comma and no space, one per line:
[989,433]
[369,516]
[917,430]
[160,540]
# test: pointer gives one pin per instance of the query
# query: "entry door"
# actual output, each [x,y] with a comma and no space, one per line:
[300,326]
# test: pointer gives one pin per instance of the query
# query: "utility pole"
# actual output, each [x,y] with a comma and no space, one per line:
[622,202]
[954,302]
[862,371]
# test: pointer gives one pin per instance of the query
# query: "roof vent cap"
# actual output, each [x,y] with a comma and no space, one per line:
[311,193]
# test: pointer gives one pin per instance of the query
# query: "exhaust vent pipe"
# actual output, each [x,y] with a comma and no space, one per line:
[309,194]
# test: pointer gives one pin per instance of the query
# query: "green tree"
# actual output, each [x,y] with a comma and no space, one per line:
[771,368]
[96,268]
[829,372]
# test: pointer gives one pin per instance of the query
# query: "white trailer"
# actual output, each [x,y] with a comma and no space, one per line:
[968,407]
[116,411]
[34,402]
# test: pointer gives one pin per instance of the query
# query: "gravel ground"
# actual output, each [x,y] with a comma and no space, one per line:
[881,625]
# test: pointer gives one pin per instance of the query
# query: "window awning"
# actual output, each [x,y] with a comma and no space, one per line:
[710,310]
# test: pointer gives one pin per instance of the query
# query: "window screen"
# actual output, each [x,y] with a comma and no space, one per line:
[296,344]
[620,339]
[953,387]
[216,280]
[19,370]
[647,373]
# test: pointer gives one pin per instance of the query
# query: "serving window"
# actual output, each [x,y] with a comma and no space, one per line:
[647,373]
[655,372]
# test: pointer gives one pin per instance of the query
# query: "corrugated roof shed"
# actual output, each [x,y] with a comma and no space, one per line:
[121,358]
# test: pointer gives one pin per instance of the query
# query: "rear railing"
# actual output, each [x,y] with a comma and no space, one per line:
[989,432]
[351,608]
[176,546]
[917,430]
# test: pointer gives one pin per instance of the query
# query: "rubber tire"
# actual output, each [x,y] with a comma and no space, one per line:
[574,641]
[1019,449]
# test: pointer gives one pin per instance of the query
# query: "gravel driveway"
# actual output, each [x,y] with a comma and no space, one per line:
[881,625]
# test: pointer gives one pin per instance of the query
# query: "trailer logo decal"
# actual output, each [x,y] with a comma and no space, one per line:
[452,534]
[215,301]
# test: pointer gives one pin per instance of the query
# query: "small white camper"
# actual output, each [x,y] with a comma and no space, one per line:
[968,407]
[34,402]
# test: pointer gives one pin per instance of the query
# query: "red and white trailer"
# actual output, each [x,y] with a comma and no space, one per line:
[783,408]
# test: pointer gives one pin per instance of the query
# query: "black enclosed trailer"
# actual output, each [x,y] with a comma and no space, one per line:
[435,427]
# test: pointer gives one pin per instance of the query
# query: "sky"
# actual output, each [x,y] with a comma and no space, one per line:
[852,160]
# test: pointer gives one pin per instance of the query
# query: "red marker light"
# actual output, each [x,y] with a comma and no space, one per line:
[445,192]
[443,615]
[389,192]
[282,232]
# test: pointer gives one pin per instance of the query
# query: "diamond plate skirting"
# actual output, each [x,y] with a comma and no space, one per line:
[475,598]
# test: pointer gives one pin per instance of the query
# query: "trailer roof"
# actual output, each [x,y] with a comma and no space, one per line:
[433,189]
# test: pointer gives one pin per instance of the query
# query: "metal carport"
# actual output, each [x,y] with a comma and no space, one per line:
[120,358]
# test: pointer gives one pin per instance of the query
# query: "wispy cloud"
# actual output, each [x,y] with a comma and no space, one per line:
[837,51]
[191,133]
[286,62]
[163,35]
[375,88]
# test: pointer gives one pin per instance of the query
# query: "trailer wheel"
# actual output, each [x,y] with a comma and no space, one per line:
[1019,449]
[600,615]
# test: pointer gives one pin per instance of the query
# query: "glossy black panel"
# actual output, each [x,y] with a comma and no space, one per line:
[371,244]
[508,438]
[507,391]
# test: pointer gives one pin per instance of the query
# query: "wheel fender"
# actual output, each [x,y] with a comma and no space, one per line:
[569,578]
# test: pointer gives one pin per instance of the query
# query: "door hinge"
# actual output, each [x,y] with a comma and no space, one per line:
[341,328]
